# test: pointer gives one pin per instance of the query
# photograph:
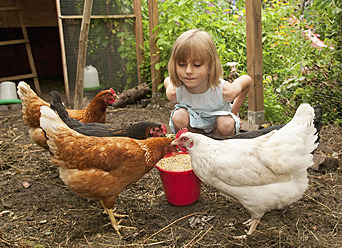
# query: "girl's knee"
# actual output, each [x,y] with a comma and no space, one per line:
[180,118]
[225,125]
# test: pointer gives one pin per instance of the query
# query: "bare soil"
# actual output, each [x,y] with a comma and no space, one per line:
[38,210]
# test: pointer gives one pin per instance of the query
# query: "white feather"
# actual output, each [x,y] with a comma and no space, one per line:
[49,120]
[52,125]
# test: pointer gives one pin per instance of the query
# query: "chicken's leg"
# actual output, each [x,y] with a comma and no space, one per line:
[252,223]
[113,221]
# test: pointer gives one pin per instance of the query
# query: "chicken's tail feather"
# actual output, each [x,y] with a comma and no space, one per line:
[57,105]
[50,122]
[295,141]
[55,100]
[30,103]
[318,123]
[25,91]
[304,114]
[311,119]
[311,116]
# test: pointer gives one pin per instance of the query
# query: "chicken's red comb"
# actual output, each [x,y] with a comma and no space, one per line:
[183,130]
[112,91]
[164,128]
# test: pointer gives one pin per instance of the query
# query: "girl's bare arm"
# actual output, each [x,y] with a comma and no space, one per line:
[237,92]
[170,90]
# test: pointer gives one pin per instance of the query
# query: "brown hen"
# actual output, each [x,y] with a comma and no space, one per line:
[100,167]
[31,103]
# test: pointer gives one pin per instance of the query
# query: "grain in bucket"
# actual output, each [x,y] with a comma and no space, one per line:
[181,186]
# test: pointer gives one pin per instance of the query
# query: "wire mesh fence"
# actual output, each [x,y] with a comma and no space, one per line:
[111,42]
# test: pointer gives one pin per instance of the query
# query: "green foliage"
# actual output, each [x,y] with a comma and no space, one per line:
[295,70]
[127,51]
[326,17]
[275,113]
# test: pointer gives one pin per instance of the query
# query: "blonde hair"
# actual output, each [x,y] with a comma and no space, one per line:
[195,44]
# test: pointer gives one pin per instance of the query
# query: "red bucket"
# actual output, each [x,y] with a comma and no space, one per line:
[182,188]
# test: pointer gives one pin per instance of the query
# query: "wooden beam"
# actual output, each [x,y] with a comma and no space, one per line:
[18,77]
[155,56]
[139,38]
[82,54]
[13,42]
[63,53]
[256,112]
[98,16]
[10,8]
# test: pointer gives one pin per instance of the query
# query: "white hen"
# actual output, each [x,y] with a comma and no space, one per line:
[264,173]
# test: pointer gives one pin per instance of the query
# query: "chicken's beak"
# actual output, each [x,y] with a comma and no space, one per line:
[175,142]
[114,98]
[178,144]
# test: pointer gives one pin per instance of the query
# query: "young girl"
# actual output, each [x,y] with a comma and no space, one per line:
[203,99]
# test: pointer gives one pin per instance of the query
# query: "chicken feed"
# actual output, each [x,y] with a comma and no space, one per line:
[180,162]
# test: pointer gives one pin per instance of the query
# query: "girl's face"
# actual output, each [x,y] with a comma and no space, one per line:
[194,74]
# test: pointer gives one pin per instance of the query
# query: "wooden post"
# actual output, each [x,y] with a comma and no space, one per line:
[256,113]
[64,63]
[82,53]
[155,56]
[139,38]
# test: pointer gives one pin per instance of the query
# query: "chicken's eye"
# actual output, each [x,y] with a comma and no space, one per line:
[184,139]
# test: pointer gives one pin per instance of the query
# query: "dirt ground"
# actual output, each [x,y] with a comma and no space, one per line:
[38,210]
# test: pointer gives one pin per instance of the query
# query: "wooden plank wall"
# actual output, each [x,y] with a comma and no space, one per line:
[36,13]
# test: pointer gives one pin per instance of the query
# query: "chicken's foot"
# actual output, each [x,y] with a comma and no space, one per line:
[115,214]
[115,224]
[119,215]
[248,222]
[252,223]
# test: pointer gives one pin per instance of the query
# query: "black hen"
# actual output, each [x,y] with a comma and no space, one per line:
[253,134]
[140,130]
